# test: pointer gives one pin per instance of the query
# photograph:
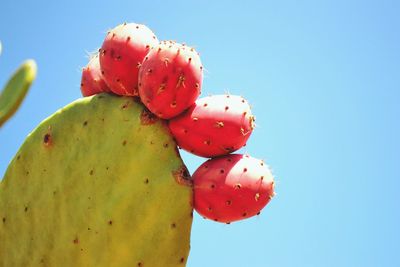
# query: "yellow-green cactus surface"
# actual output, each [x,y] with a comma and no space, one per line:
[99,183]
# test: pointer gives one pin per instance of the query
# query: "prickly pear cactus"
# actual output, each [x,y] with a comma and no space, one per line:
[99,183]
[16,89]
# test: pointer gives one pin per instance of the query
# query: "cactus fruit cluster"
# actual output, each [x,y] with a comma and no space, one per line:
[101,182]
[166,77]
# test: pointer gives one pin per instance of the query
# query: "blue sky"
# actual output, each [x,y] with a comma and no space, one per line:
[323,78]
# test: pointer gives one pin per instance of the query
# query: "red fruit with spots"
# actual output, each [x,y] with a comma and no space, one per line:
[232,188]
[170,79]
[92,81]
[214,126]
[122,54]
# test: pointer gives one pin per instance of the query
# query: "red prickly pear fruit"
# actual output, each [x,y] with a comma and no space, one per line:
[122,54]
[214,126]
[232,188]
[92,81]
[170,79]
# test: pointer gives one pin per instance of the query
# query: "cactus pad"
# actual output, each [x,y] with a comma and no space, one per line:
[16,89]
[99,183]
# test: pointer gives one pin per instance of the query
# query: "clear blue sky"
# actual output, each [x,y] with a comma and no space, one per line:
[323,78]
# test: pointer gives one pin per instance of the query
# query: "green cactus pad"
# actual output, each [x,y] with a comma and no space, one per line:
[99,183]
[15,90]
